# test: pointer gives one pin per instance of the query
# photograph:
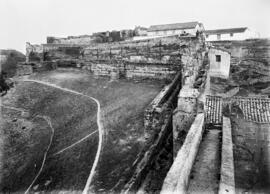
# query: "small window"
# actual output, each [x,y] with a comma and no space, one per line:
[231,34]
[218,36]
[218,58]
[207,35]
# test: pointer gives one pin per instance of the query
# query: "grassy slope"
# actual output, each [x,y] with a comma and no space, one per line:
[122,105]
[250,153]
[22,147]
[73,117]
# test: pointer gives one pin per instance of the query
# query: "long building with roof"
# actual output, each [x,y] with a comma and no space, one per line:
[177,28]
[242,33]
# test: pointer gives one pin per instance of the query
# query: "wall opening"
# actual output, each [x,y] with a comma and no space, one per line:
[218,58]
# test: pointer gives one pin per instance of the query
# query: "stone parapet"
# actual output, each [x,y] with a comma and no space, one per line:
[177,178]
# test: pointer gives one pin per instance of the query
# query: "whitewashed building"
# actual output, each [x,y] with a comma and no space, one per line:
[175,29]
[220,61]
[230,34]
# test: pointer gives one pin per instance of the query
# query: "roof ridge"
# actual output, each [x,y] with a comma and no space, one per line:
[175,23]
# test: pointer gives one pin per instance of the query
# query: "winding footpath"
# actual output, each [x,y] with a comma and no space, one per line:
[99,123]
[48,120]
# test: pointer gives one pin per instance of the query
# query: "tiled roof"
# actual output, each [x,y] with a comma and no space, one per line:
[226,31]
[187,25]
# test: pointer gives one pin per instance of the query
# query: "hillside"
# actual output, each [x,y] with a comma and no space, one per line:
[73,118]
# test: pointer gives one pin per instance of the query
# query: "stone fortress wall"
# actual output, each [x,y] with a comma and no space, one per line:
[179,59]
[155,58]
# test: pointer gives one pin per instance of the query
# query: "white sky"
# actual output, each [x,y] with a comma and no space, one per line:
[33,20]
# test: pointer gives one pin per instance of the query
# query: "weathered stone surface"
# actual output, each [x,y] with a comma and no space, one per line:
[227,183]
[184,115]
[160,107]
[154,58]
[148,158]
[177,179]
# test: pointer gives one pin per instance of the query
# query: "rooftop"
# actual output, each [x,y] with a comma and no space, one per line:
[187,25]
[226,31]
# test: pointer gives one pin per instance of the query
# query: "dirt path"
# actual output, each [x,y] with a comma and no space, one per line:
[48,120]
[100,127]
[77,142]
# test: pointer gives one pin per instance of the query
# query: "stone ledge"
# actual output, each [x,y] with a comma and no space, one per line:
[227,183]
[177,178]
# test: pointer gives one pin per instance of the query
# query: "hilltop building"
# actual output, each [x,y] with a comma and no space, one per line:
[230,34]
[173,29]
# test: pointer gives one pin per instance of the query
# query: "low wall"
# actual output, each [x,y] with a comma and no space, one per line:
[184,115]
[164,101]
[177,178]
[148,158]
[158,128]
[227,183]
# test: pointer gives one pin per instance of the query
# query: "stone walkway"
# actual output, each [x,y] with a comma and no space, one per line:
[204,176]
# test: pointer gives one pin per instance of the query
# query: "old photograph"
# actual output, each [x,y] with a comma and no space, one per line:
[135,97]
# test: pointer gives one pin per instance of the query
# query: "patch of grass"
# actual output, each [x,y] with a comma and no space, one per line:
[122,105]
[22,149]
[73,117]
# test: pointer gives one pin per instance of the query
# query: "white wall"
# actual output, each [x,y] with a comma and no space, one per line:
[222,68]
[173,32]
[236,36]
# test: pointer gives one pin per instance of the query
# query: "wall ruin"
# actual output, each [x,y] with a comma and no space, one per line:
[155,58]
